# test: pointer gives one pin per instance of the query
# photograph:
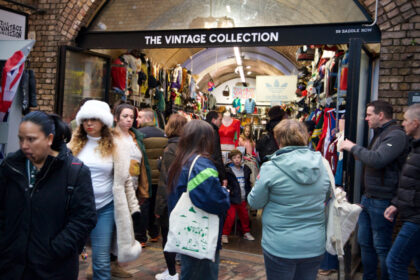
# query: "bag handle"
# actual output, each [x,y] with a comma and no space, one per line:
[191,168]
[337,225]
[330,174]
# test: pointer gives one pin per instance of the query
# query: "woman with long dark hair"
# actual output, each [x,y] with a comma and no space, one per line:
[204,189]
[47,207]
[173,131]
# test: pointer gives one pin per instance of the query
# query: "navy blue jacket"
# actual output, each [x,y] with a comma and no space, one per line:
[233,184]
[204,188]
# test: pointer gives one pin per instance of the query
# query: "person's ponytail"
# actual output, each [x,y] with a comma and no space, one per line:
[62,132]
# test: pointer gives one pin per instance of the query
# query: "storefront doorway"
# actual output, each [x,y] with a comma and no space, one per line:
[267,42]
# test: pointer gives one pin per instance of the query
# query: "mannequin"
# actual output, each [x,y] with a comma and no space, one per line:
[227,119]
[229,132]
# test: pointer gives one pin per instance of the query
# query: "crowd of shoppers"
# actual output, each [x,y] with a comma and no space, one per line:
[120,176]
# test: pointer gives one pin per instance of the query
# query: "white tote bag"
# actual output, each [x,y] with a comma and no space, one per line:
[342,220]
[192,231]
[342,217]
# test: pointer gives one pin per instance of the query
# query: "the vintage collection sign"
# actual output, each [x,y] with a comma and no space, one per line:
[12,25]
[247,37]
[228,37]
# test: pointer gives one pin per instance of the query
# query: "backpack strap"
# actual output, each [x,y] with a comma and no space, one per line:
[74,166]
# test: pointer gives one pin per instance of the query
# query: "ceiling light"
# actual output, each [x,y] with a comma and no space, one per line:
[241,74]
[228,9]
[237,56]
[249,73]
[248,67]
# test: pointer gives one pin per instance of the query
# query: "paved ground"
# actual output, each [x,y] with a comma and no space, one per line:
[234,265]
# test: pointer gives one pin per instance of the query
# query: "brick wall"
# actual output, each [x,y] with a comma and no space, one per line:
[59,25]
[399,21]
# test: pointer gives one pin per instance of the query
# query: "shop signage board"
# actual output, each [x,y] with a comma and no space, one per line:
[276,88]
[413,97]
[243,92]
[228,37]
[13,25]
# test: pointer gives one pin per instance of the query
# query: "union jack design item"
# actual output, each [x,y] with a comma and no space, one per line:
[12,73]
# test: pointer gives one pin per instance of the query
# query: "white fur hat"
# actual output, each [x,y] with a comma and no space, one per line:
[95,109]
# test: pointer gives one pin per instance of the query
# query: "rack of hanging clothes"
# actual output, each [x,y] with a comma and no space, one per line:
[326,136]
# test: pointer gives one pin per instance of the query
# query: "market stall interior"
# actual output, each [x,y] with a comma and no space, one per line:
[312,79]
[316,59]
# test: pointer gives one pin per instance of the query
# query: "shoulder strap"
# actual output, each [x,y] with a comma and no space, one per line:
[73,172]
[330,175]
[191,168]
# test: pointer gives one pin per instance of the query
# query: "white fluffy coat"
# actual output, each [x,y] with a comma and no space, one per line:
[125,203]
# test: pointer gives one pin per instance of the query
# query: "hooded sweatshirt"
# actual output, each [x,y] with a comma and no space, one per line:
[292,188]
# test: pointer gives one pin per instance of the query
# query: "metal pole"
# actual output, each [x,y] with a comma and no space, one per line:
[352,98]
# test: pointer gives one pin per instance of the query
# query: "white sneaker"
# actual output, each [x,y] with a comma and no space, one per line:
[171,277]
[225,239]
[162,275]
[248,236]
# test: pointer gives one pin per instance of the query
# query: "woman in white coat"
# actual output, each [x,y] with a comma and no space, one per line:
[93,142]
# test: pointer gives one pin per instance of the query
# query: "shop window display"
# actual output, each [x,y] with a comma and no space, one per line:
[85,77]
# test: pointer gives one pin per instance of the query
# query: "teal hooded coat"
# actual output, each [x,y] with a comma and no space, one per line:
[292,188]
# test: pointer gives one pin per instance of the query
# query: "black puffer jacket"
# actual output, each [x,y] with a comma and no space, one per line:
[408,195]
[267,145]
[36,231]
[382,160]
[161,205]
[233,184]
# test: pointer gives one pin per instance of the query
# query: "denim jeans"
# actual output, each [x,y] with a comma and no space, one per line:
[406,248]
[193,269]
[101,239]
[375,237]
[278,268]
[329,262]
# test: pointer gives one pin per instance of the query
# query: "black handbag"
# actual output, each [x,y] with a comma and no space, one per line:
[226,91]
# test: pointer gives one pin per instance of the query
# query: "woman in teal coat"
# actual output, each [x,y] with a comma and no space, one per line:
[292,189]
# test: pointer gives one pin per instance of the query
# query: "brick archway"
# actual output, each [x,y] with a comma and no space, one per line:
[75,15]
[399,21]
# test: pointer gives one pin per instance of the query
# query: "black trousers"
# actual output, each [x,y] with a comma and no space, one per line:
[148,219]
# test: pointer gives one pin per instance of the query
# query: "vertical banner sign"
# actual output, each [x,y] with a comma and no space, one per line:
[12,25]
[276,88]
